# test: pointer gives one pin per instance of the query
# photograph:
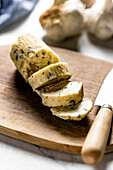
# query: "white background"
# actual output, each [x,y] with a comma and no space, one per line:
[19,155]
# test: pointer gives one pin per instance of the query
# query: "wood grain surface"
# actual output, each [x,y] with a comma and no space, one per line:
[23,116]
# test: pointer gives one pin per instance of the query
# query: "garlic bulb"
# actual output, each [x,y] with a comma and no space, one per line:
[99,19]
[64,19]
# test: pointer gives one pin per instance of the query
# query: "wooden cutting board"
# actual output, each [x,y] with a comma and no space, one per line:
[23,116]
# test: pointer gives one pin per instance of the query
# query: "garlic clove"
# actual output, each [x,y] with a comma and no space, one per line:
[104,28]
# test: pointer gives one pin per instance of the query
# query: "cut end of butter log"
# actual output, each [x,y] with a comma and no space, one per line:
[50,74]
[69,95]
[30,54]
[77,112]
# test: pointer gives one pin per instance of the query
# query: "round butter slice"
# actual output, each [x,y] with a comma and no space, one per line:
[30,54]
[69,95]
[50,74]
[78,112]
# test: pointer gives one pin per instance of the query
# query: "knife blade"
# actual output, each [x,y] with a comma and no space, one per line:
[105,95]
[96,139]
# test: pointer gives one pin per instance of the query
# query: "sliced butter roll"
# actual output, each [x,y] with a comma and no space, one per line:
[69,95]
[31,54]
[77,112]
[49,74]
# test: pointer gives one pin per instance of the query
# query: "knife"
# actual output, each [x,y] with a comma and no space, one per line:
[96,140]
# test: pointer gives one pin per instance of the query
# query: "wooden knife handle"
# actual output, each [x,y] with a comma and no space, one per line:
[96,140]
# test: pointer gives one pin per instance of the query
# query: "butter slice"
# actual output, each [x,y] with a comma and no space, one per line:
[69,95]
[49,74]
[77,112]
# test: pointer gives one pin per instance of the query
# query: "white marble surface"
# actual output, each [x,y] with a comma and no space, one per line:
[16,154]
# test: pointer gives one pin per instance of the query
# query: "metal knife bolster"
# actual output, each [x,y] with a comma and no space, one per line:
[107,106]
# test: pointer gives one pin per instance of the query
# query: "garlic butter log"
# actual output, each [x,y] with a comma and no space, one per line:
[50,74]
[69,95]
[77,112]
[31,54]
[99,19]
[64,19]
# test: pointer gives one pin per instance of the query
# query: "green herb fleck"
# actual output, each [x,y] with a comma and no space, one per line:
[50,74]
[15,51]
[72,102]
[85,109]
[17,56]
[28,70]
[22,51]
